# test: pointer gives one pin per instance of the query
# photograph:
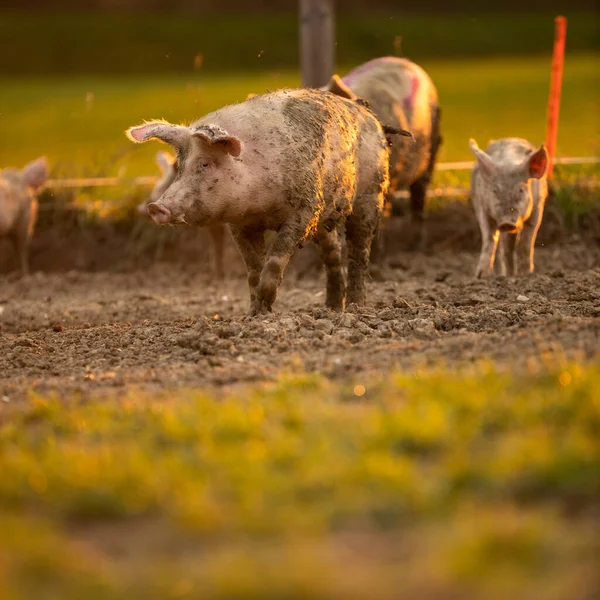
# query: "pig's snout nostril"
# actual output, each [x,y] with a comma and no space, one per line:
[159,214]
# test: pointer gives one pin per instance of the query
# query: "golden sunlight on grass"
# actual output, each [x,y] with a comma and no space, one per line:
[471,484]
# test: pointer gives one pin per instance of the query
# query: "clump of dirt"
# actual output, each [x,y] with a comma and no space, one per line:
[170,326]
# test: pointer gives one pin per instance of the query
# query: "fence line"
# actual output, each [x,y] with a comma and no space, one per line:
[566,160]
[149,180]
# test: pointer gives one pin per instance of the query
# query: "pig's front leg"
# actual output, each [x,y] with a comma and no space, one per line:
[360,229]
[526,244]
[250,242]
[509,248]
[489,244]
[289,236]
[331,253]
[500,263]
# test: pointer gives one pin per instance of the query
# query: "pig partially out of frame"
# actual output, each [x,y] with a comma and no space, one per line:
[167,164]
[298,162]
[19,205]
[509,189]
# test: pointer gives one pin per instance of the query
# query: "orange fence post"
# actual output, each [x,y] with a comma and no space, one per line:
[558,61]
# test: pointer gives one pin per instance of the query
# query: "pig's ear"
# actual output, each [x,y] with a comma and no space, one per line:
[483,160]
[217,138]
[35,173]
[165,161]
[339,88]
[537,163]
[175,135]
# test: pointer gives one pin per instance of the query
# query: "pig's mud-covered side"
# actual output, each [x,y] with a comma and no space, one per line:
[172,326]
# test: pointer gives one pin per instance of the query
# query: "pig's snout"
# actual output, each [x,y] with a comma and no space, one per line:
[142,209]
[508,227]
[159,214]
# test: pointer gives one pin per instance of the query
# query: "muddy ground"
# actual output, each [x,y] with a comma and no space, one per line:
[170,324]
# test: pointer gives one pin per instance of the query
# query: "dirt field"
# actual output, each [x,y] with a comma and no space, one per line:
[170,325]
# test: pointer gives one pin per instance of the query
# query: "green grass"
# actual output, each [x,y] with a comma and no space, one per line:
[481,98]
[465,484]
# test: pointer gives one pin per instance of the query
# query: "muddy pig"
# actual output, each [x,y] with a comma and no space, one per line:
[19,205]
[509,190]
[166,163]
[402,95]
[297,162]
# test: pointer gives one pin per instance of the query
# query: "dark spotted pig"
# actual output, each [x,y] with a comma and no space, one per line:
[19,206]
[298,162]
[401,95]
[167,165]
[509,189]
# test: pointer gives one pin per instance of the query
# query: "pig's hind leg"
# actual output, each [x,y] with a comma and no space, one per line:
[418,189]
[331,253]
[361,226]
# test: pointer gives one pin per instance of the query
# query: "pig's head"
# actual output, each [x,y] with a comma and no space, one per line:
[166,163]
[203,171]
[509,186]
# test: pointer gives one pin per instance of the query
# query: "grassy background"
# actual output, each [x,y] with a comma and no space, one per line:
[70,83]
[481,98]
[468,484]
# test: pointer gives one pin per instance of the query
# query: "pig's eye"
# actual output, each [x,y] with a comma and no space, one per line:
[205,164]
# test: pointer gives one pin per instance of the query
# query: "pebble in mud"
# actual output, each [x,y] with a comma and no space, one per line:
[324,325]
[422,326]
[289,324]
[347,320]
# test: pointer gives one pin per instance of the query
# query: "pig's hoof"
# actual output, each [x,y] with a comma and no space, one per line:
[256,311]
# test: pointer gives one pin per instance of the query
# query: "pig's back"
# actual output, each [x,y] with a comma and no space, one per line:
[401,94]
[285,130]
[302,144]
[389,80]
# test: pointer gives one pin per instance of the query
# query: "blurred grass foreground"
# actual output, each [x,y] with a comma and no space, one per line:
[471,484]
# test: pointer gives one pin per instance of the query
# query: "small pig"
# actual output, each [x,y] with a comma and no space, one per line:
[19,205]
[509,189]
[401,94]
[297,162]
[166,163]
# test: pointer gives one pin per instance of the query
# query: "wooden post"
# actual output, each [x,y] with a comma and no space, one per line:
[316,41]
[558,60]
